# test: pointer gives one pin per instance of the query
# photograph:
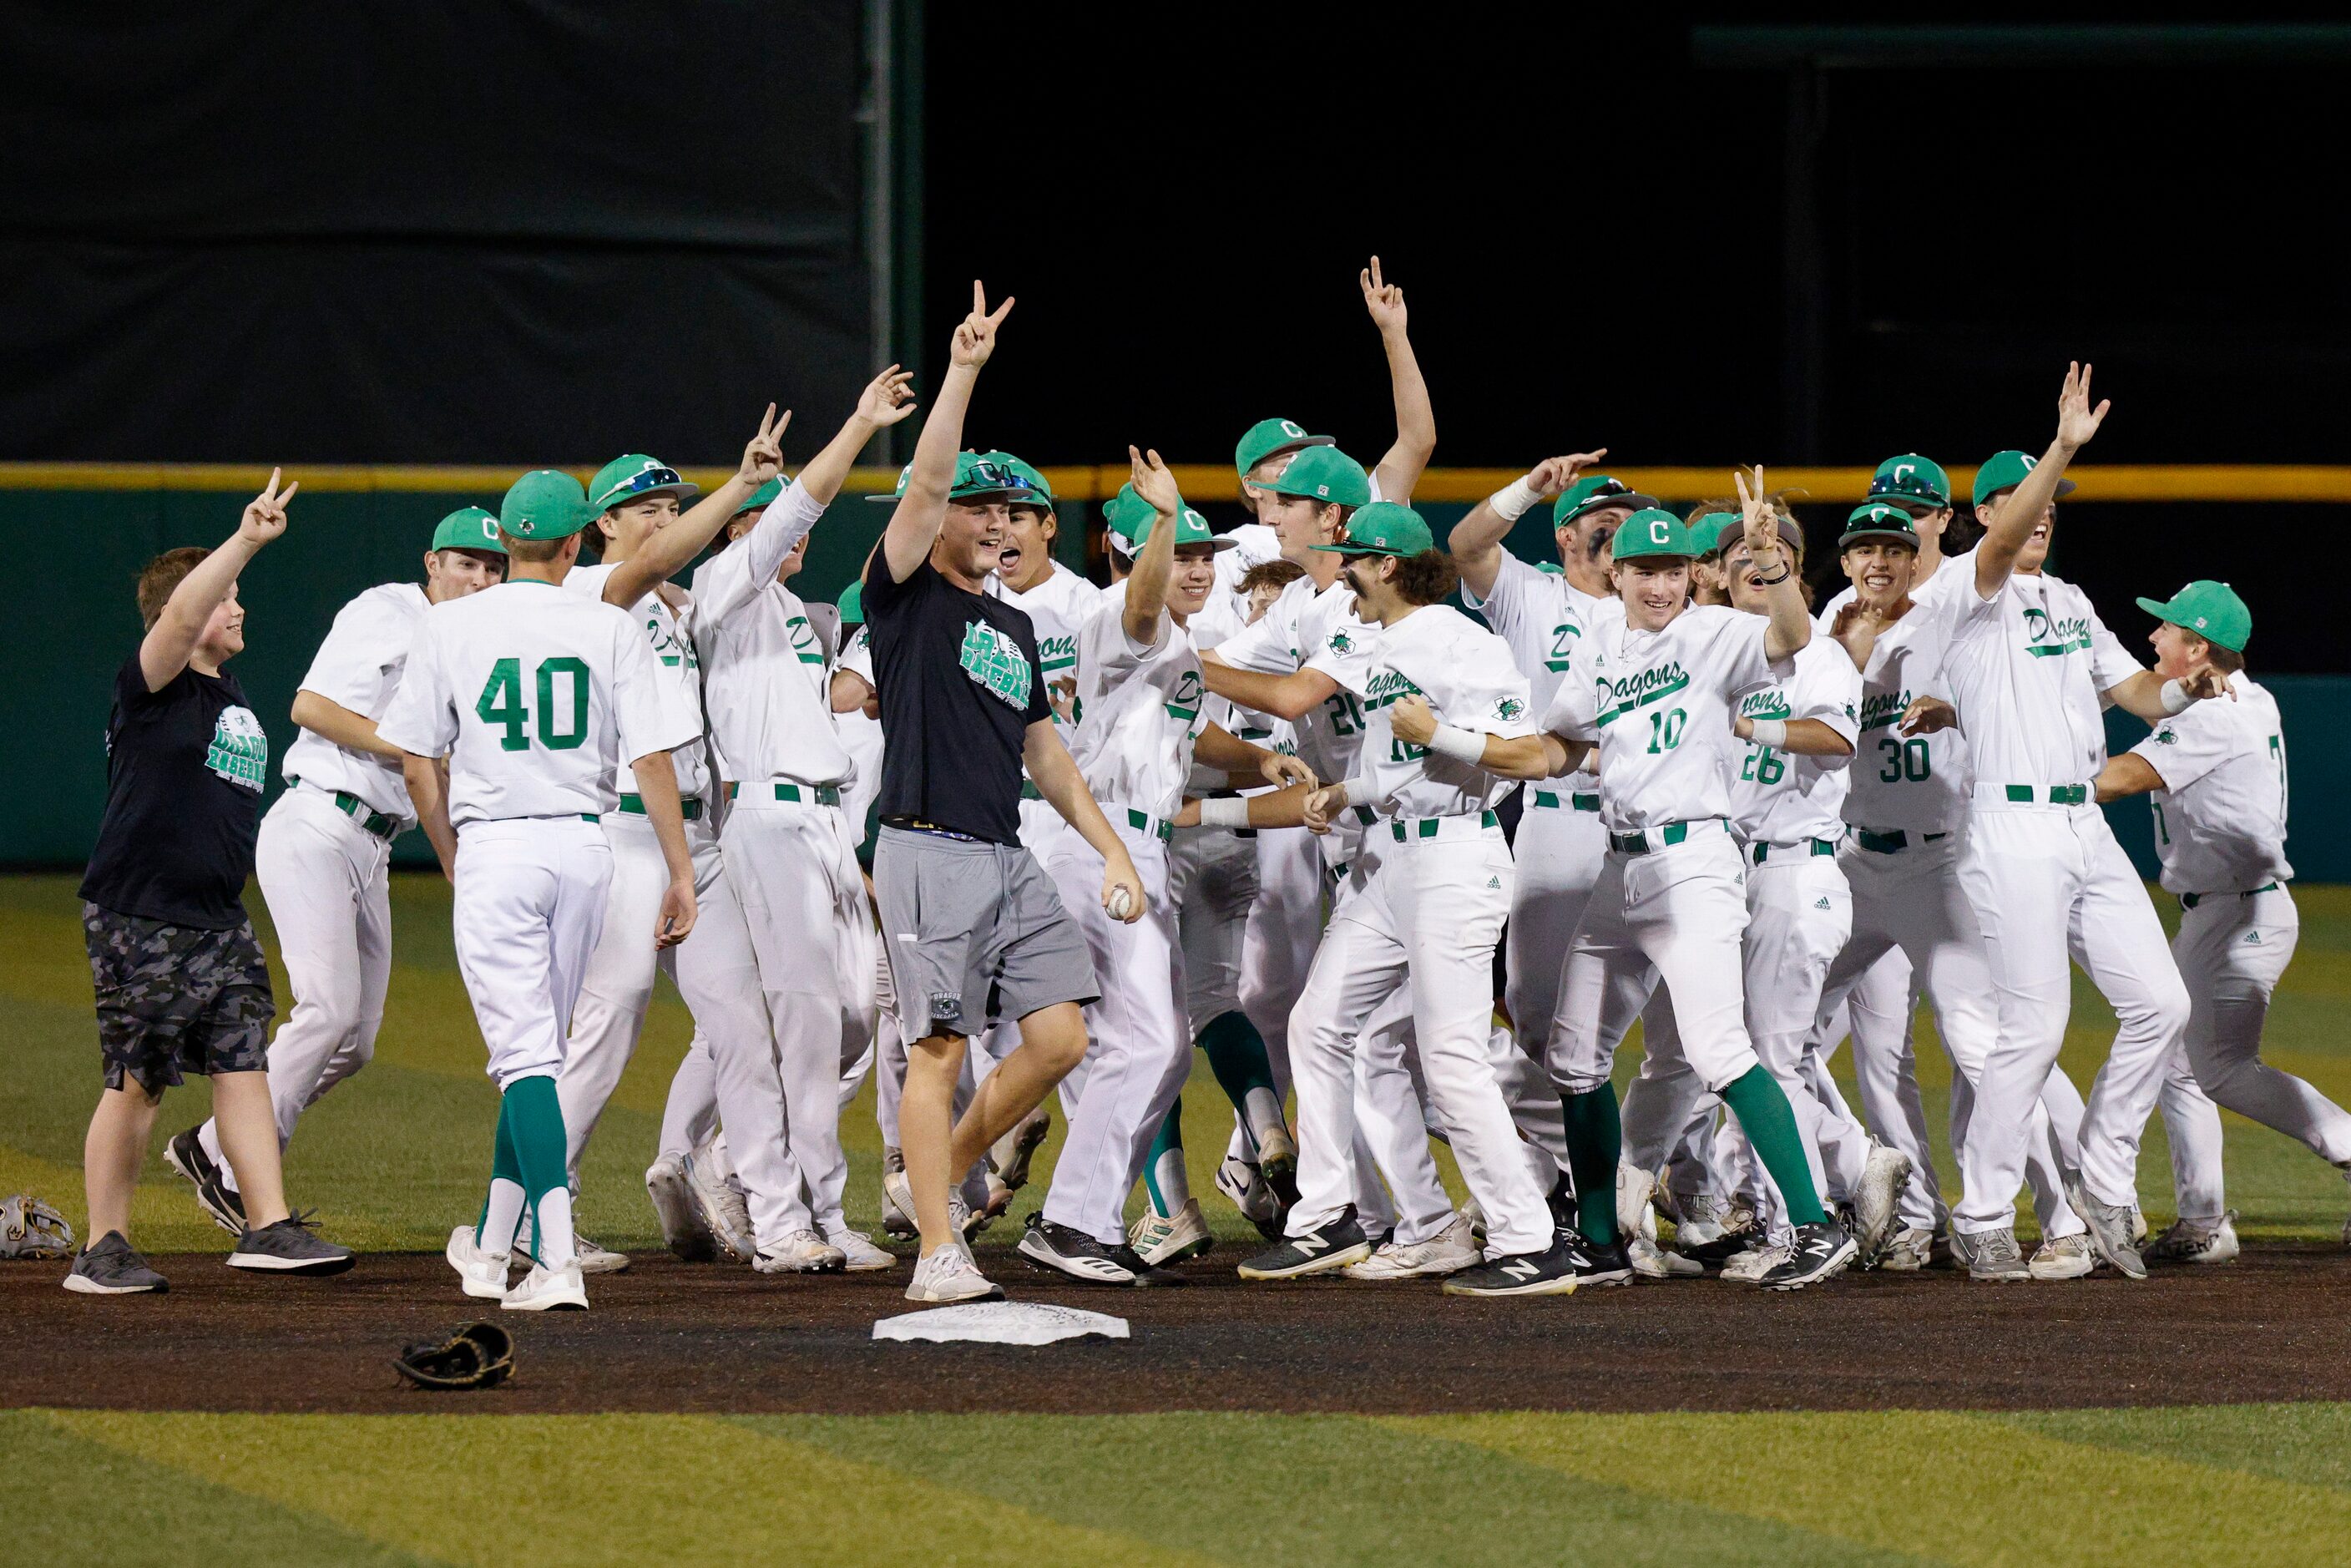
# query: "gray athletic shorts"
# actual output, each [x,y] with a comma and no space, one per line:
[975,932]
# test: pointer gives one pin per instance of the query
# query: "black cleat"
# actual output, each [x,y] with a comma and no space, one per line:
[1714,1254]
[1147,1275]
[1596,1264]
[186,1155]
[1057,1250]
[1551,1273]
[1821,1251]
[1325,1250]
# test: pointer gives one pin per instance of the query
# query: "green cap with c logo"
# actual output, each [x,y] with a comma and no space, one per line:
[1707,530]
[1383,528]
[1124,515]
[1191,529]
[1879,520]
[1590,494]
[469,528]
[1322,474]
[1027,475]
[1911,481]
[1653,531]
[544,504]
[1268,436]
[2211,610]
[2005,471]
[633,478]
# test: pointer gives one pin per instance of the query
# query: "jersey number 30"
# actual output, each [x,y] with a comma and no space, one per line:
[501,705]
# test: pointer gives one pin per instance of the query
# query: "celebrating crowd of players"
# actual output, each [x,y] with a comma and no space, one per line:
[1268,793]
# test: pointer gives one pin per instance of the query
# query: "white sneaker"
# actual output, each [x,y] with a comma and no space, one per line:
[1166,1240]
[1449,1251]
[1755,1262]
[1245,1185]
[1476,1214]
[681,1222]
[2187,1241]
[719,1203]
[950,1275]
[1908,1251]
[1633,1187]
[800,1252]
[1874,1201]
[895,1221]
[858,1254]
[1652,1261]
[544,1290]
[595,1260]
[481,1274]
[901,1191]
[2063,1257]
[1698,1218]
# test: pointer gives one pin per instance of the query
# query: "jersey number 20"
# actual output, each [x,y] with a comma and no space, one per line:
[500,704]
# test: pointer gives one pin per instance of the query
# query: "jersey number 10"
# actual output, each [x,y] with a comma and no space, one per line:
[500,704]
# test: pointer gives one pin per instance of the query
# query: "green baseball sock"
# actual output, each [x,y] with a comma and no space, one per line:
[535,1117]
[1165,1180]
[1595,1139]
[1761,1107]
[1237,1055]
[502,1208]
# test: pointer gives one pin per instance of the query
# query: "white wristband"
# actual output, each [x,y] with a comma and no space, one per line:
[2175,697]
[1224,811]
[1461,744]
[1358,790]
[1770,732]
[1511,501]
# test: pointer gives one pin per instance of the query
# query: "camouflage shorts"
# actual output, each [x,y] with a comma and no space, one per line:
[175,1000]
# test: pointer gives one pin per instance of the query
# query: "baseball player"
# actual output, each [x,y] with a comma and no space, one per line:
[2217,777]
[975,931]
[1141,718]
[792,851]
[1906,808]
[181,985]
[1434,908]
[1656,699]
[325,849]
[2029,665]
[535,697]
[644,542]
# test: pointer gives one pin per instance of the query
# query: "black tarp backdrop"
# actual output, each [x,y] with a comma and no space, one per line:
[427,233]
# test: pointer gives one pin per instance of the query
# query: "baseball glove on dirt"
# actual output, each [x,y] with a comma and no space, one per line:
[31,1228]
[478,1355]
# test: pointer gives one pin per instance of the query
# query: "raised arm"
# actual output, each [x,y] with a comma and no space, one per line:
[2014,521]
[1146,585]
[670,548]
[1783,596]
[914,523]
[1476,540]
[887,399]
[165,650]
[1415,437]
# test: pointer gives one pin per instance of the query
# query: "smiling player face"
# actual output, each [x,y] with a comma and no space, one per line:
[1654,589]
[1025,559]
[1881,571]
[971,540]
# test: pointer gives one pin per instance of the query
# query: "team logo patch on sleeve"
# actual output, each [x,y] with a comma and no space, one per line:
[996,662]
[1342,643]
[1509,709]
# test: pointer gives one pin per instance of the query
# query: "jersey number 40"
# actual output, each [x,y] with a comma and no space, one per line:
[500,704]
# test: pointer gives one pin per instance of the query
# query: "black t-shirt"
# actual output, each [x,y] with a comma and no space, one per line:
[184,773]
[956,674]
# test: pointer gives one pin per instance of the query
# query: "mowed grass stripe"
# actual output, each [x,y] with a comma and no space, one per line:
[78,1499]
[1964,1489]
[2310,1444]
[1306,1489]
[586,1489]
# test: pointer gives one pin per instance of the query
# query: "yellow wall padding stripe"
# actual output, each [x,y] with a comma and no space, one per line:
[1215,482]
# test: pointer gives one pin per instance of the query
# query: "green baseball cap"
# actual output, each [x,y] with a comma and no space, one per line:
[1123,514]
[1590,494]
[633,478]
[761,496]
[1323,474]
[852,604]
[1191,529]
[1910,480]
[544,504]
[1653,531]
[1026,474]
[469,528]
[1550,568]
[2005,471]
[1268,436]
[1706,528]
[2211,610]
[1383,528]
[981,474]
[1880,520]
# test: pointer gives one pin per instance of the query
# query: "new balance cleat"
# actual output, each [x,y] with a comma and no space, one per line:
[1819,1252]
[1327,1249]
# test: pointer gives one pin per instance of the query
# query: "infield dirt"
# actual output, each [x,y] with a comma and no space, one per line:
[670,1336]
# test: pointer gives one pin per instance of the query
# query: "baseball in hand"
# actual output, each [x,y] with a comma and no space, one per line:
[1121,903]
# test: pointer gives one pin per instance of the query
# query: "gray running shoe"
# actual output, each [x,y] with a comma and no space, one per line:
[288,1246]
[1993,1255]
[2194,1241]
[2110,1227]
[107,1267]
[186,1154]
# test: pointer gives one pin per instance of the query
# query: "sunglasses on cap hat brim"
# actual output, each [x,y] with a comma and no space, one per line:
[1632,500]
[648,482]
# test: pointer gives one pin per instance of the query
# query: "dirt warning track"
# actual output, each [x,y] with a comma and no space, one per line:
[670,1336]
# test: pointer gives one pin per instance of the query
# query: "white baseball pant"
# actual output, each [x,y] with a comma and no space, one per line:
[1213,882]
[1392,1122]
[1799,915]
[2048,882]
[528,911]
[324,878]
[1435,909]
[1560,850]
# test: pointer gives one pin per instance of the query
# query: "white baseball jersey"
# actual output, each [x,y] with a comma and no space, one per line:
[2219,818]
[767,684]
[358,667]
[1057,608]
[1780,798]
[1139,708]
[1659,705]
[2025,668]
[537,697]
[1254,544]
[1916,783]
[1311,629]
[860,736]
[1542,617]
[1472,683]
[669,633]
